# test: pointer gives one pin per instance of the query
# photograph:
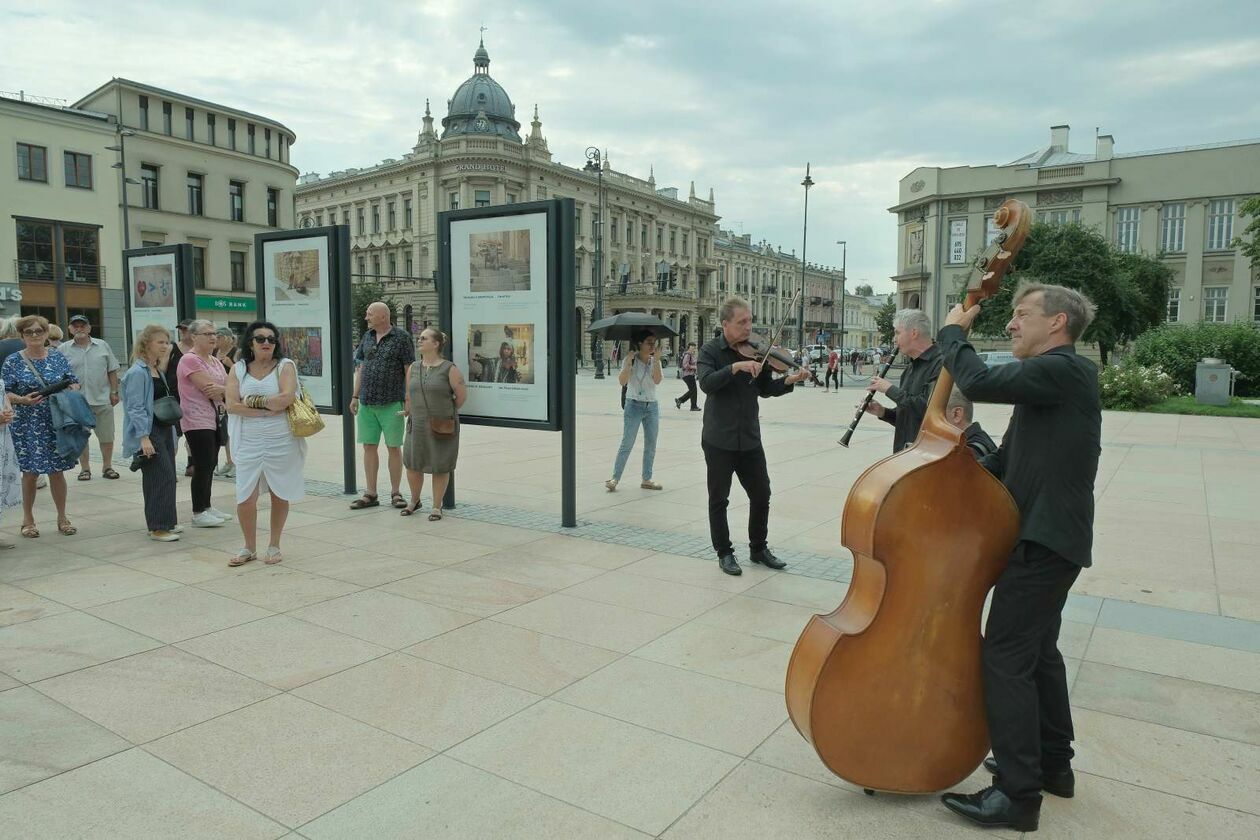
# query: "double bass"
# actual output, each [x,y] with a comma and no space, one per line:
[888,688]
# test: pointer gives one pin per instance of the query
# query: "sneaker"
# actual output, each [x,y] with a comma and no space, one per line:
[41,482]
[649,484]
[163,536]
[226,517]
[177,529]
[230,472]
[206,519]
[221,470]
[611,484]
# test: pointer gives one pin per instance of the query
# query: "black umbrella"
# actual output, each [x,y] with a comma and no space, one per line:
[624,325]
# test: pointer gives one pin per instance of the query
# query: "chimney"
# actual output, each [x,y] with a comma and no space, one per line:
[1106,143]
[1059,137]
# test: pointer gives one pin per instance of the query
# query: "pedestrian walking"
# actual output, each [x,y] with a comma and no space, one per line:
[96,368]
[640,375]
[380,383]
[833,370]
[435,392]
[269,457]
[687,364]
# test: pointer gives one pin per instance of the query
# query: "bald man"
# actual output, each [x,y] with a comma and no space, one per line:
[380,383]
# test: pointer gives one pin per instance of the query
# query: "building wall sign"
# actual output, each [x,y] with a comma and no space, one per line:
[10,297]
[225,304]
[480,167]
[958,241]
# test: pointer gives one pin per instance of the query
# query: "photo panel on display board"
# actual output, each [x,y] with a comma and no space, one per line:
[295,287]
[153,290]
[500,314]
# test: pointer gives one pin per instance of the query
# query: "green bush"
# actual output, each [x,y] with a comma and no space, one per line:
[1130,386]
[1177,349]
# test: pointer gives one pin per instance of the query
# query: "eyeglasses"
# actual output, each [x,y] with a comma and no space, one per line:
[264,339]
[34,331]
[205,334]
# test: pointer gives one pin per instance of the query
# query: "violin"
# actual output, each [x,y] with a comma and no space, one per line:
[759,349]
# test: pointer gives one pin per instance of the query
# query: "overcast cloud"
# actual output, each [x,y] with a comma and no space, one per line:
[736,96]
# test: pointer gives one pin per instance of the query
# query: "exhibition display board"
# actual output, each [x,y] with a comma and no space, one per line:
[159,288]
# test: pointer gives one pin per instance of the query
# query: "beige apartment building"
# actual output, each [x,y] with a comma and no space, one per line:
[206,174]
[1180,204]
[662,251]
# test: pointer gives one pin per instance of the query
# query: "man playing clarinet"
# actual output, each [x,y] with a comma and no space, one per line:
[912,331]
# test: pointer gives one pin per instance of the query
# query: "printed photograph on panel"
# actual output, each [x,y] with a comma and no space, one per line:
[501,353]
[297,276]
[305,346]
[499,261]
[153,285]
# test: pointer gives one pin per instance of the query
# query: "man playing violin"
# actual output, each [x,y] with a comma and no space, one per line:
[1048,461]
[731,433]
[912,332]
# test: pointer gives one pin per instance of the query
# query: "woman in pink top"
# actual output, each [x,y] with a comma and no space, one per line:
[201,387]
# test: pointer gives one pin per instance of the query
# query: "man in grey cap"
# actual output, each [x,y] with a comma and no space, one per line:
[96,367]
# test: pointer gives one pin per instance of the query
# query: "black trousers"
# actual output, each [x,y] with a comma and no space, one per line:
[157,482]
[203,448]
[690,380]
[750,466]
[832,376]
[1025,680]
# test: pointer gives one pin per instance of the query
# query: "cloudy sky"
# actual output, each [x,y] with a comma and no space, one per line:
[734,95]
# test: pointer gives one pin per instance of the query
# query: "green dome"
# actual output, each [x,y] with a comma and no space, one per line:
[480,106]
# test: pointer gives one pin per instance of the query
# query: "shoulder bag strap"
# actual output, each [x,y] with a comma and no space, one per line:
[26,359]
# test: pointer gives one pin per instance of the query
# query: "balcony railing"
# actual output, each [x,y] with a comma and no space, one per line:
[44,270]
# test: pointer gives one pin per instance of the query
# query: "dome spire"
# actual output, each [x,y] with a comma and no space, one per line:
[481,58]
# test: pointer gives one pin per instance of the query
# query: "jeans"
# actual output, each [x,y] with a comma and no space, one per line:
[647,414]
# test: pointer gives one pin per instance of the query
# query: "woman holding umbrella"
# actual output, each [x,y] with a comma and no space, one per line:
[640,375]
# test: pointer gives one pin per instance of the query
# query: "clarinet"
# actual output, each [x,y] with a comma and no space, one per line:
[870,395]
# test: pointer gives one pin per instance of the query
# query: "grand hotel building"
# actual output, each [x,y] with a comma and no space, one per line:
[663,251]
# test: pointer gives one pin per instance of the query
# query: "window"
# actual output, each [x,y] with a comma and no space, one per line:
[32,162]
[1220,224]
[1215,302]
[190,124]
[238,270]
[511,198]
[210,129]
[79,253]
[393,266]
[273,207]
[577,221]
[144,113]
[196,206]
[643,233]
[232,134]
[35,250]
[78,170]
[1128,220]
[660,238]
[453,201]
[376,267]
[408,264]
[253,149]
[629,233]
[319,220]
[407,213]
[1172,238]
[362,266]
[615,229]
[166,118]
[376,218]
[236,201]
[345,217]
[149,186]
[596,230]
[673,239]
[1174,305]
[1067,215]
[199,267]
[267,142]
[391,216]
[481,198]
[359,217]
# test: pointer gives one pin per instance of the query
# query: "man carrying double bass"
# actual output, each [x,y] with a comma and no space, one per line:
[1048,461]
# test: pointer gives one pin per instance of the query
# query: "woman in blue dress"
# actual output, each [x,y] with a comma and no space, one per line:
[33,437]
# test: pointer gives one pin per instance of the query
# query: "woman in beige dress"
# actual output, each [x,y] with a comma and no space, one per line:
[435,390]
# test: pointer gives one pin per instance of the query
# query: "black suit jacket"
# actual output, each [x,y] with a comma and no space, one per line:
[912,396]
[731,413]
[1048,459]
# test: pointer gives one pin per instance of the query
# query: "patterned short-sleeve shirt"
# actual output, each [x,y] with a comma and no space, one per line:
[383,365]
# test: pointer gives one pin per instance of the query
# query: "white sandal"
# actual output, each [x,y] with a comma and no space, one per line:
[273,555]
[242,557]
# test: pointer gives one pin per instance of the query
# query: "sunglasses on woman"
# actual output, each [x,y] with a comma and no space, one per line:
[34,331]
[264,339]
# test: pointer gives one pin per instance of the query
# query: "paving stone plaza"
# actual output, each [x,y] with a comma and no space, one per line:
[495,675]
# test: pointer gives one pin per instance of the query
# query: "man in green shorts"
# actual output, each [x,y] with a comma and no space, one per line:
[380,382]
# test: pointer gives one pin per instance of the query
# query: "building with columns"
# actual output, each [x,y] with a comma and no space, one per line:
[1181,204]
[662,250]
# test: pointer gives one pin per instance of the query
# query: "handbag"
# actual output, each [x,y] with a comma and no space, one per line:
[438,426]
[166,410]
[304,419]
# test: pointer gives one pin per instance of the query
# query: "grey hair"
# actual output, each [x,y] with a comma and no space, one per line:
[200,323]
[957,399]
[8,327]
[1055,300]
[914,319]
[727,312]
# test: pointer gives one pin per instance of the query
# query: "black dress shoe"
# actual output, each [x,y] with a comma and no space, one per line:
[992,808]
[766,558]
[1061,783]
[728,564]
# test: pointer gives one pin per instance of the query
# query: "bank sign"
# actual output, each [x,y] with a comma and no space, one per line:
[225,304]
[10,297]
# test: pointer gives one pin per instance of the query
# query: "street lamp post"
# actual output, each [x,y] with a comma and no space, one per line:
[594,164]
[844,255]
[800,324]
[121,148]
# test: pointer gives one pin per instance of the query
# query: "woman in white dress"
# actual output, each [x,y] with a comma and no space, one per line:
[10,473]
[260,389]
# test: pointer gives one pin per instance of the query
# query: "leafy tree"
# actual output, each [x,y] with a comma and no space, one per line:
[1129,290]
[1249,242]
[363,293]
[884,320]
[863,290]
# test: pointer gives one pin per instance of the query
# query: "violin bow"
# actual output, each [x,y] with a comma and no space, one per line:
[779,331]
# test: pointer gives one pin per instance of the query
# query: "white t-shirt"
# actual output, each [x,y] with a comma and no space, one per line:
[640,387]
